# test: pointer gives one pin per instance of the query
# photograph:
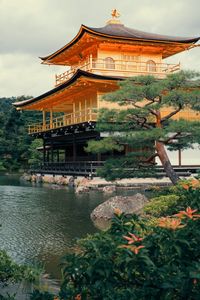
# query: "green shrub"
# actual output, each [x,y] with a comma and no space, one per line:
[11,273]
[38,295]
[162,205]
[124,264]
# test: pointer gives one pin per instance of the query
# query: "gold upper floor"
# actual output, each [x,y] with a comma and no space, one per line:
[121,65]
[117,50]
[106,54]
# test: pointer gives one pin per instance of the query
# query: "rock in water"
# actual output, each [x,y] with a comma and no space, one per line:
[109,189]
[128,205]
[81,189]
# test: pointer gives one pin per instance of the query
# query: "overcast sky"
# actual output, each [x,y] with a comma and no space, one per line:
[33,28]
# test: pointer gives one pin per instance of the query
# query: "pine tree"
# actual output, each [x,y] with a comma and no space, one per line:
[142,125]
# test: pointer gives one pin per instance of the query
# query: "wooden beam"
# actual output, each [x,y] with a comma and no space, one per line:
[51,119]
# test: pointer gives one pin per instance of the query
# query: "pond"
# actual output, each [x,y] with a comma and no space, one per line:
[40,223]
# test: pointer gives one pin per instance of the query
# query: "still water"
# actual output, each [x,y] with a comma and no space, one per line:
[40,223]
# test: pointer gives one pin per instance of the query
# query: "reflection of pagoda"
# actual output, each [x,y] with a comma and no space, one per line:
[98,59]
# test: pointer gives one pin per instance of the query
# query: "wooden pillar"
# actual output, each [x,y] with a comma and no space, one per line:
[90,61]
[48,155]
[58,155]
[74,149]
[85,110]
[90,111]
[99,156]
[51,152]
[44,152]
[98,99]
[51,119]
[80,112]
[126,149]
[74,111]
[65,154]
[44,119]
[179,158]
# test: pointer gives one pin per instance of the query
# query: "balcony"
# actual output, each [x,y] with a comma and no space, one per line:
[123,68]
[87,115]
[90,115]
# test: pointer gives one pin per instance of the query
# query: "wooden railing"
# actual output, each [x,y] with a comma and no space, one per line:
[69,168]
[89,114]
[64,120]
[89,168]
[119,68]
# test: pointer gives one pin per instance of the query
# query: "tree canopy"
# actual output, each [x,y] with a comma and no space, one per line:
[14,140]
[143,125]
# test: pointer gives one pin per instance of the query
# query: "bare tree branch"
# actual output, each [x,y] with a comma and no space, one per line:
[153,112]
[172,113]
[150,160]
[133,102]
[141,121]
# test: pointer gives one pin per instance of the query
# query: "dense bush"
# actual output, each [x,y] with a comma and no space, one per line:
[161,205]
[14,139]
[133,260]
[38,295]
[11,272]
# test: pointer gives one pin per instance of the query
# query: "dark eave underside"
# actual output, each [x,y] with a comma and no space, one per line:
[78,74]
[119,31]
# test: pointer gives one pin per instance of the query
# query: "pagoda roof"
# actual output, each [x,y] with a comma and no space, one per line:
[79,74]
[123,33]
[119,30]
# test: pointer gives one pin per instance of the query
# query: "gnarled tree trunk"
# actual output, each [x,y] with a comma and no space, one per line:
[162,154]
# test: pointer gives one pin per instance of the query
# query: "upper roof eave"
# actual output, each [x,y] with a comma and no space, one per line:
[79,73]
[140,36]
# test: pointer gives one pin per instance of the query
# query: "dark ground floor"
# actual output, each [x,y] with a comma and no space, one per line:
[64,154]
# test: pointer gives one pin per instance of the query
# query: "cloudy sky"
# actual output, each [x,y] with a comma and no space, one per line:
[33,28]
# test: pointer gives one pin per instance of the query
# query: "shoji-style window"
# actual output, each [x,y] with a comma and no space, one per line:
[109,63]
[151,66]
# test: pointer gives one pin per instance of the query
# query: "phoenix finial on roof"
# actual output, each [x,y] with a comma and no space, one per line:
[115,13]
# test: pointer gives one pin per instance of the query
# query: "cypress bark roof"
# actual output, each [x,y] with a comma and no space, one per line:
[121,32]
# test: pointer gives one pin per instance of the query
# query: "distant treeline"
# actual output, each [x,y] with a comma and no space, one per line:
[16,147]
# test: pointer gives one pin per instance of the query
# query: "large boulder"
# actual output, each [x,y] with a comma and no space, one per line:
[103,213]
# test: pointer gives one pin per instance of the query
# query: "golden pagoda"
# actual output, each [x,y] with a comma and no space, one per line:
[94,62]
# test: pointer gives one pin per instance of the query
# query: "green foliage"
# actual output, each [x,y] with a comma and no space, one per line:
[190,197]
[126,167]
[11,273]
[142,124]
[38,295]
[35,156]
[14,140]
[7,297]
[160,206]
[169,200]
[135,261]
[103,146]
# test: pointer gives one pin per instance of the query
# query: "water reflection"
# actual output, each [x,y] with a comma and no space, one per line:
[41,223]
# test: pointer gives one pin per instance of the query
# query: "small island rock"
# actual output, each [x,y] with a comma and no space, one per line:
[128,205]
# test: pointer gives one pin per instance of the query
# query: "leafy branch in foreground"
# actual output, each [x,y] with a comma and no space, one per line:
[136,260]
[148,121]
[13,273]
